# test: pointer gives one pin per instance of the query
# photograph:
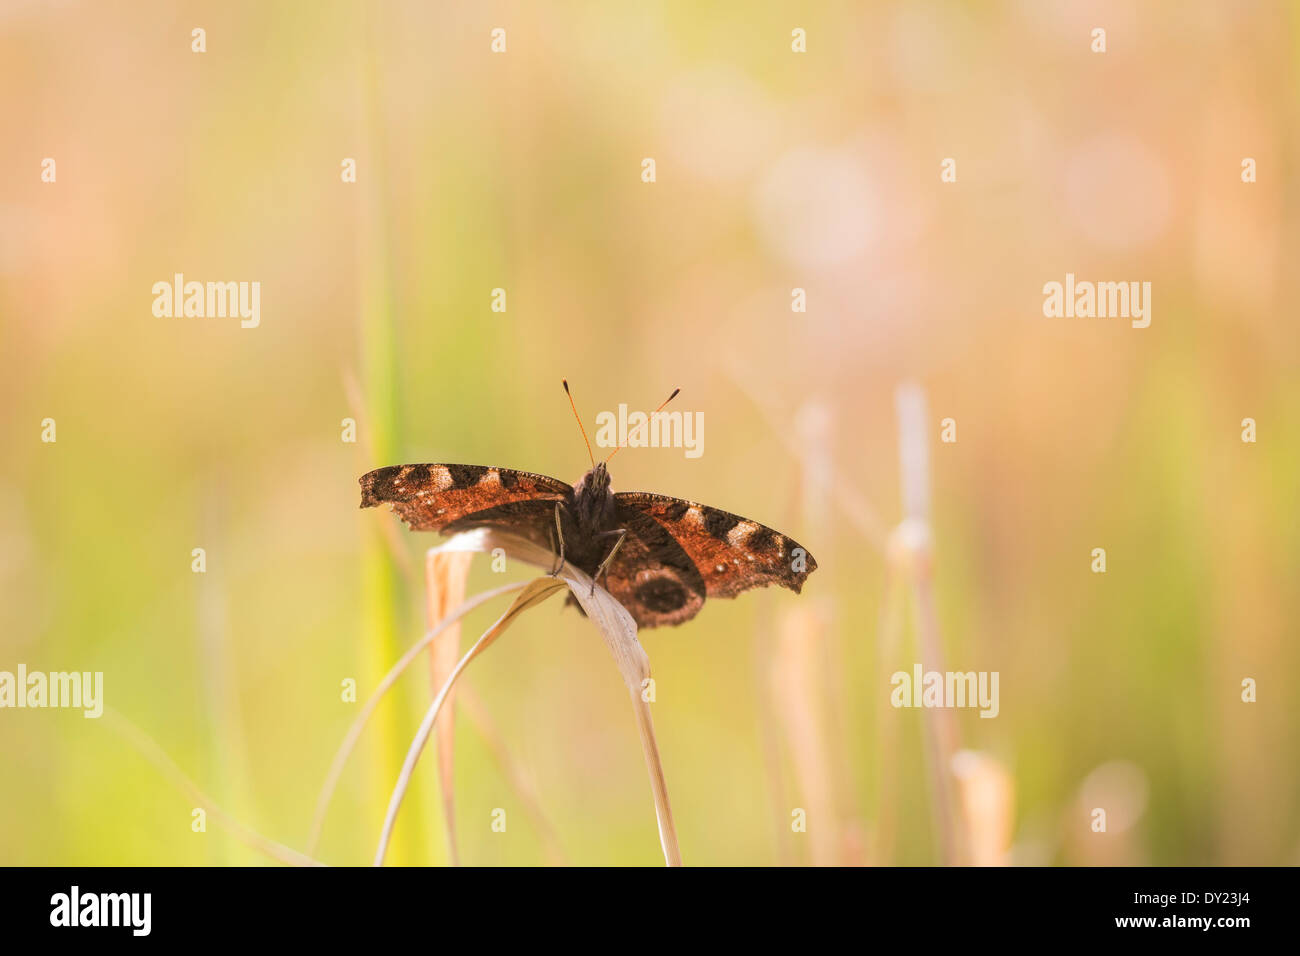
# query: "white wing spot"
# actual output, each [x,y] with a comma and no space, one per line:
[739,534]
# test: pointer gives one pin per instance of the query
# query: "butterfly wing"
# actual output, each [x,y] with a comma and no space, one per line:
[652,576]
[676,552]
[730,554]
[452,498]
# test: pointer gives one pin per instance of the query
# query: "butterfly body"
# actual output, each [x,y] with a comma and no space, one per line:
[671,553]
[588,518]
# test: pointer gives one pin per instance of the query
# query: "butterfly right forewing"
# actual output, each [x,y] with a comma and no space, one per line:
[730,553]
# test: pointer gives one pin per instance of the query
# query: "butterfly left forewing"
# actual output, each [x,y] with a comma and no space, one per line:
[451,498]
[731,554]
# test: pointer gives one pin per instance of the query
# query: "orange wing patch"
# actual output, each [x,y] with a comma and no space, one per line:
[731,553]
[434,497]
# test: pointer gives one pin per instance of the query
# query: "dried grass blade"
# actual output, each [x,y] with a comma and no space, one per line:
[619,633]
[446,575]
[368,708]
[533,594]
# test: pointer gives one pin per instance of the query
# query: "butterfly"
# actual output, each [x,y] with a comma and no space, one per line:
[660,557]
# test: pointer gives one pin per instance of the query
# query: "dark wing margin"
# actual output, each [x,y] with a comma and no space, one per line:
[448,498]
[732,554]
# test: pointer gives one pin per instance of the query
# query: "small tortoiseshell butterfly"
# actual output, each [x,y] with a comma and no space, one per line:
[660,556]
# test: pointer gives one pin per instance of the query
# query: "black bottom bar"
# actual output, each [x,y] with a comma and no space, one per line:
[332,906]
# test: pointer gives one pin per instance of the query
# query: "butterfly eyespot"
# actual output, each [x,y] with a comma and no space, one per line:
[662,595]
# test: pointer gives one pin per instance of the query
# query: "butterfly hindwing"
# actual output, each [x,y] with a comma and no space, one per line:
[450,498]
[651,575]
[731,554]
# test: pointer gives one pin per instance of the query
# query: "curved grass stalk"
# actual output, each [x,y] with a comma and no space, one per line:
[514,774]
[533,594]
[358,725]
[618,630]
[446,577]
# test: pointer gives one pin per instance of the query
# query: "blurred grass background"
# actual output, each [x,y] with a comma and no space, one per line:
[775,170]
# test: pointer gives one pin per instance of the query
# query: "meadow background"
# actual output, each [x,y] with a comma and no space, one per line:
[775,170]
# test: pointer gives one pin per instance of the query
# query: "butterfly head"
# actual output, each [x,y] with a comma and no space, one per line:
[593,501]
[595,482]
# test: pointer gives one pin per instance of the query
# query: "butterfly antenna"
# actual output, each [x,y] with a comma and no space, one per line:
[647,421]
[565,381]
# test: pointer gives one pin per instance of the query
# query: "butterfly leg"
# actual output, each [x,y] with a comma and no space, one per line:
[604,565]
[559,533]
